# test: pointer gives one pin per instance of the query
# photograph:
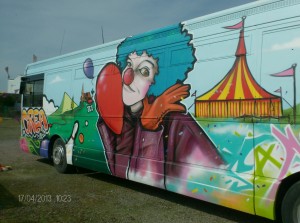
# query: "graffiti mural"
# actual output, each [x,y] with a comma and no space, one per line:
[34,123]
[154,127]
[238,94]
[164,110]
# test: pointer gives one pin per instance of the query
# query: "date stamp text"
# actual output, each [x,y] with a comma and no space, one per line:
[44,198]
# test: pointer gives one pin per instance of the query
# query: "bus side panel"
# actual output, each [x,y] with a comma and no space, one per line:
[277,142]
[88,150]
[277,156]
[196,174]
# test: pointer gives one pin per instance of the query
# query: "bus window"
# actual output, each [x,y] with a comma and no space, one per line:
[32,90]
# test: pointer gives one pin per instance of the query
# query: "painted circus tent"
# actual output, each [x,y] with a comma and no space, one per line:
[169,108]
[238,94]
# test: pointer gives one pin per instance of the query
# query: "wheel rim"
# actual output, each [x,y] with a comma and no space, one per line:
[58,155]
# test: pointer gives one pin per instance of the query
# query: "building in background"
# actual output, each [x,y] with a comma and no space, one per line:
[13,85]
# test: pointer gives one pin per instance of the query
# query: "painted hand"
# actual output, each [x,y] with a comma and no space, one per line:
[109,97]
[169,101]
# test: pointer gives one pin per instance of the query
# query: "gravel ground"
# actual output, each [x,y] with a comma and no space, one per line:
[34,192]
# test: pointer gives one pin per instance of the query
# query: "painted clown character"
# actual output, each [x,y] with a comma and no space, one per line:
[145,129]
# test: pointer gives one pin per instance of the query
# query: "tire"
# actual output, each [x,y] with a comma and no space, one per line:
[290,208]
[59,156]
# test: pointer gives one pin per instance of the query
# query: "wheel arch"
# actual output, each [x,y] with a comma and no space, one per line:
[51,143]
[283,188]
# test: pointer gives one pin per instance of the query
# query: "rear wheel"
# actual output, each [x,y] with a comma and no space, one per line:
[290,208]
[59,156]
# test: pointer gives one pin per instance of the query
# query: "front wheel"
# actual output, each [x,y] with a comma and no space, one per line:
[290,208]
[59,156]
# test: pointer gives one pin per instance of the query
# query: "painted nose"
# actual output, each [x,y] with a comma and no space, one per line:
[128,76]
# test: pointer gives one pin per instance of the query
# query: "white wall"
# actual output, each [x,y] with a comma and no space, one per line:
[13,85]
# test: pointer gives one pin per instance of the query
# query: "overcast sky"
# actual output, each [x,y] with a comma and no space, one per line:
[50,28]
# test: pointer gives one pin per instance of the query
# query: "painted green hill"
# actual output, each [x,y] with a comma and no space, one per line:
[67,104]
[290,113]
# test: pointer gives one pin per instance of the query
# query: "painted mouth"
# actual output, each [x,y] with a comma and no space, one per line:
[128,88]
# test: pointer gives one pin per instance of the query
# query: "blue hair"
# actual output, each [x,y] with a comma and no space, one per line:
[170,46]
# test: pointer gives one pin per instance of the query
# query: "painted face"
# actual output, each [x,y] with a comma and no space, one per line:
[137,77]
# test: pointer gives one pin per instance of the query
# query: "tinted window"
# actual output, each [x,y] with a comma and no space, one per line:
[32,89]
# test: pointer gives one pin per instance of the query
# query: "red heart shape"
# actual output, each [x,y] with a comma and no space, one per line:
[109,97]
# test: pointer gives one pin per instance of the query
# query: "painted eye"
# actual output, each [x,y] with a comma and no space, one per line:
[129,64]
[144,72]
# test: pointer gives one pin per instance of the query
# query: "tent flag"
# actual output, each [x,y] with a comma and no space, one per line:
[290,73]
[278,90]
[194,94]
[238,25]
[286,73]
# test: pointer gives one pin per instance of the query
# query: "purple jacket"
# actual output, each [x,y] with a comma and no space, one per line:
[151,156]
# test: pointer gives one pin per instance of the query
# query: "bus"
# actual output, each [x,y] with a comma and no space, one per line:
[207,108]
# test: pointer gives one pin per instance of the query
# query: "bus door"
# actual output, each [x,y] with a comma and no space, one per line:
[34,125]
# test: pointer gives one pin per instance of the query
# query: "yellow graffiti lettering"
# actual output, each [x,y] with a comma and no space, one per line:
[34,123]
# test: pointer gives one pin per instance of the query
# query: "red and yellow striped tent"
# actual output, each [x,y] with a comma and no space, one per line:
[238,94]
